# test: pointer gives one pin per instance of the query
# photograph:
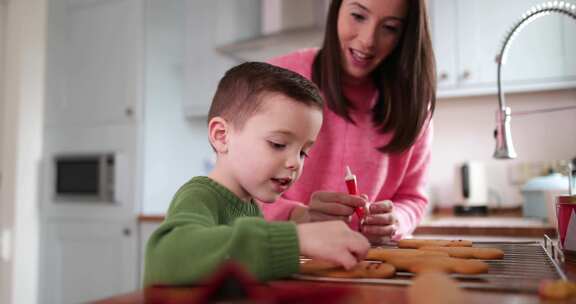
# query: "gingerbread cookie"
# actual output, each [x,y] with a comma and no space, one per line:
[383,254]
[435,288]
[557,290]
[467,252]
[421,264]
[314,266]
[417,243]
[361,270]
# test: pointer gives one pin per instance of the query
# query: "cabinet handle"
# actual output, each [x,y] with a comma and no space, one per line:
[127,231]
[129,112]
[443,76]
[465,75]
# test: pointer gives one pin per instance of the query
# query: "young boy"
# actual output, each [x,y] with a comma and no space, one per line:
[262,123]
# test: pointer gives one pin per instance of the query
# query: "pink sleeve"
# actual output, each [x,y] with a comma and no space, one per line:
[410,200]
[280,210]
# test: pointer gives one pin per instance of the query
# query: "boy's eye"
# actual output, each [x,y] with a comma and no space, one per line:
[276,145]
[304,154]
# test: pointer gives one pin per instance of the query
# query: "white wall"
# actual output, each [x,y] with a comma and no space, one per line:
[464,131]
[22,116]
[174,147]
[4,278]
[2,46]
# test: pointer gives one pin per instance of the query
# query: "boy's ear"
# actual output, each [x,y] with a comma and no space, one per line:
[218,129]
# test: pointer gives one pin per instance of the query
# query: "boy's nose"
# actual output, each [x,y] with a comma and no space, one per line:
[293,163]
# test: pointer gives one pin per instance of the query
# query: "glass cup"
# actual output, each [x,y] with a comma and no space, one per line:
[566,223]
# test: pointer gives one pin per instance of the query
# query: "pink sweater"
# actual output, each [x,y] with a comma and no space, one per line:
[396,177]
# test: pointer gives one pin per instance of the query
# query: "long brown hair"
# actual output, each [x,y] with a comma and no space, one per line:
[406,79]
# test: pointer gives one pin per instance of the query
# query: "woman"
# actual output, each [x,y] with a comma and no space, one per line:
[376,71]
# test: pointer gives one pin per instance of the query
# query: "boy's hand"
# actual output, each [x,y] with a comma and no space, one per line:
[333,242]
[331,206]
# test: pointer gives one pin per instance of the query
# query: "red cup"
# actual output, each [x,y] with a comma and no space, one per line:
[566,224]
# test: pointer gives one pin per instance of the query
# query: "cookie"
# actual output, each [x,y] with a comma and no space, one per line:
[314,266]
[417,243]
[383,254]
[467,252]
[419,264]
[557,290]
[363,269]
[435,288]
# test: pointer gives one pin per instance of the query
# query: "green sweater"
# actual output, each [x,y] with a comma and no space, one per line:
[206,225]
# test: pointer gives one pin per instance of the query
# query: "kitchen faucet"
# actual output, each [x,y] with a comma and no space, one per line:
[504,145]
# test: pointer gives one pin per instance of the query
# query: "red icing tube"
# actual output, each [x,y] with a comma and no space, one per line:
[353,190]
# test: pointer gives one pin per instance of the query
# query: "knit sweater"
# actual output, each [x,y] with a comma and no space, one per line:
[206,224]
[399,177]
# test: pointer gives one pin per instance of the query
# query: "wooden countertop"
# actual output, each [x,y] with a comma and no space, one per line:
[356,293]
[503,223]
[360,293]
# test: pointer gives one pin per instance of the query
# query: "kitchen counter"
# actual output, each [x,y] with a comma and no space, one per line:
[356,293]
[499,226]
[502,223]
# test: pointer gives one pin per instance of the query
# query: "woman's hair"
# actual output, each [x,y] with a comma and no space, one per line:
[406,79]
[240,92]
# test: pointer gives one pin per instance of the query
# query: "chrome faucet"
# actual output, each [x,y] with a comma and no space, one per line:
[504,145]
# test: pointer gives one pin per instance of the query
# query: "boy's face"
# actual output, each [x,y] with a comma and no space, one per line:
[266,156]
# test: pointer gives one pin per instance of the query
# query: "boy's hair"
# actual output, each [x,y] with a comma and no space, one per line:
[239,93]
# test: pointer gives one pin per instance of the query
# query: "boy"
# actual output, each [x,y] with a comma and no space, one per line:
[262,122]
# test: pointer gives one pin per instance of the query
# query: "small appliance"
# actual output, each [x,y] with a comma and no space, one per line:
[472,191]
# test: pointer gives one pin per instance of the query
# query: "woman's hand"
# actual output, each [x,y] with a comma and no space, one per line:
[329,206]
[381,223]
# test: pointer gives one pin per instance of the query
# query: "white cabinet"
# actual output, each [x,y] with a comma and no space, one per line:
[93,91]
[467,36]
[94,59]
[569,29]
[443,24]
[87,260]
[209,24]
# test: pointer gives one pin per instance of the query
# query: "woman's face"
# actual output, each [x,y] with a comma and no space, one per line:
[368,31]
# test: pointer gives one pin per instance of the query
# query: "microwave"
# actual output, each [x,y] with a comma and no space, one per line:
[85,177]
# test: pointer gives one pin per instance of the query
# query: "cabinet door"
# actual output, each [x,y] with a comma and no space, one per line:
[569,31]
[534,56]
[210,24]
[443,22]
[93,61]
[85,261]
